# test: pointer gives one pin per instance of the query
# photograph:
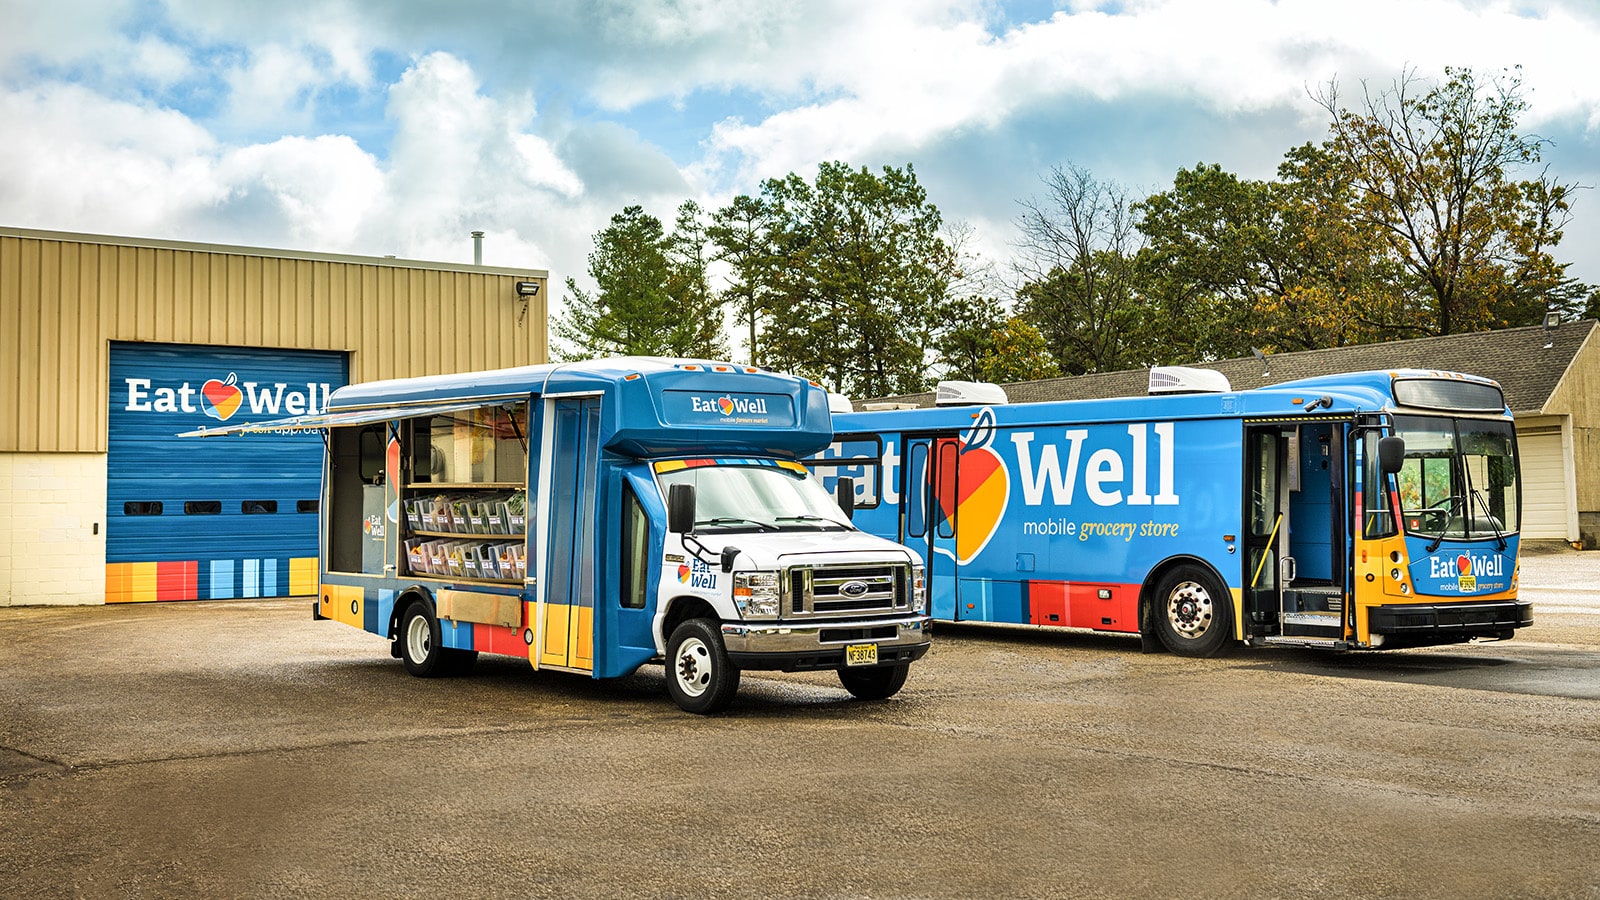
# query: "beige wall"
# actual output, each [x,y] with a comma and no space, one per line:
[65,297]
[1578,395]
[52,528]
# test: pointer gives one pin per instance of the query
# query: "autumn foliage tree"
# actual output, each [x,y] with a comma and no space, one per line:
[1434,177]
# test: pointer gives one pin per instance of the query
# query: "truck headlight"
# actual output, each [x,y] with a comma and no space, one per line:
[919,588]
[756,594]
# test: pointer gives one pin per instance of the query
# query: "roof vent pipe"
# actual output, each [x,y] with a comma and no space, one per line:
[477,248]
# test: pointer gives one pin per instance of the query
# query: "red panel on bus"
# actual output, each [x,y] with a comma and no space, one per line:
[498,639]
[1076,604]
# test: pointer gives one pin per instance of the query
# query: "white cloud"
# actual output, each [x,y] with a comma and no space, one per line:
[980,110]
[86,162]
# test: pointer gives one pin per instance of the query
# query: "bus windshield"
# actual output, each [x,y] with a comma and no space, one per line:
[1459,480]
[757,498]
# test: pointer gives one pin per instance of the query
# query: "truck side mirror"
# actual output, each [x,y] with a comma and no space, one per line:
[844,491]
[680,508]
[1391,454]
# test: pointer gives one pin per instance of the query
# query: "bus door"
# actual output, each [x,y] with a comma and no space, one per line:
[1265,526]
[566,602]
[1296,534]
[929,525]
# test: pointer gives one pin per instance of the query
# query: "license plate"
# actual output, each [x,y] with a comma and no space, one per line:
[861,654]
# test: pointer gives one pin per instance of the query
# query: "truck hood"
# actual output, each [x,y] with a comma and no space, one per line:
[774,550]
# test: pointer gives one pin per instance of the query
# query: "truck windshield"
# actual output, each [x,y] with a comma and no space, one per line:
[1459,480]
[757,498]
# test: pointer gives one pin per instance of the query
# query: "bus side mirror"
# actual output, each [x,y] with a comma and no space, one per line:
[680,508]
[1391,454]
[844,490]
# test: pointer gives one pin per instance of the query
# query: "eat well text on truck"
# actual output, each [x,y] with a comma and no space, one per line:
[594,517]
[1362,511]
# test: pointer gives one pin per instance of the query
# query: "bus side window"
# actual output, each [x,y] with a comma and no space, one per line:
[945,471]
[635,551]
[1374,496]
[915,490]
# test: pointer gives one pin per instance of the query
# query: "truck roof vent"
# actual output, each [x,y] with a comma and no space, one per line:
[1184,380]
[839,403]
[966,393]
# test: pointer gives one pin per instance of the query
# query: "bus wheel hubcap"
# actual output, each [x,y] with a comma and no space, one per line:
[694,667]
[1189,609]
[418,636]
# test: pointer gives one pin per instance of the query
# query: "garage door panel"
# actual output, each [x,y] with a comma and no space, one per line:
[226,543]
[1544,487]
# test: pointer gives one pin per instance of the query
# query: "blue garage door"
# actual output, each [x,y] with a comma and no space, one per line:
[211,518]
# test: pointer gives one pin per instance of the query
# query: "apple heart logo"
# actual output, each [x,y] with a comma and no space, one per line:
[726,405]
[221,399]
[1464,564]
[683,573]
[976,498]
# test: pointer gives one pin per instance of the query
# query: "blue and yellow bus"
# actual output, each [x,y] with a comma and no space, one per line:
[1361,511]
[594,517]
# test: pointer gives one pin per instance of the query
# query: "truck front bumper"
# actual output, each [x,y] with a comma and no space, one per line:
[792,647]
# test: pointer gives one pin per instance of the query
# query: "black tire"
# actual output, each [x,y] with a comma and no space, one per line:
[422,649]
[1193,615]
[700,679]
[874,682]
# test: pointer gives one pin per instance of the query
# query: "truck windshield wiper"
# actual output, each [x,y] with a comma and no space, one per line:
[737,520]
[809,517]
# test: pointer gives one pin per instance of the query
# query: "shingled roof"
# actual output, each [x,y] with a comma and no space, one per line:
[1527,370]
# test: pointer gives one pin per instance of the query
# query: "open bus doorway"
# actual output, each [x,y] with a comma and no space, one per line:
[1296,539]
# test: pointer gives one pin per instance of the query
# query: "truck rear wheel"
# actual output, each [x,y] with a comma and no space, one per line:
[1193,616]
[874,682]
[700,678]
[423,650]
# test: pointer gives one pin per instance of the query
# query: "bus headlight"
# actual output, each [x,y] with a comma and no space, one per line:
[756,594]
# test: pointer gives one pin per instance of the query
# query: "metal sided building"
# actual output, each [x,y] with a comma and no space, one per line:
[111,346]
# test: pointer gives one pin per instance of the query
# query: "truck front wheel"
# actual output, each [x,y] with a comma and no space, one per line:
[700,678]
[874,682]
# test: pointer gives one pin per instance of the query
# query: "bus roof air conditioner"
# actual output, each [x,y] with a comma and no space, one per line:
[1185,380]
[969,393]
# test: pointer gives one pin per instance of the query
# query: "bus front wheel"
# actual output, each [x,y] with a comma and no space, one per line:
[423,650]
[875,682]
[1193,616]
[700,678]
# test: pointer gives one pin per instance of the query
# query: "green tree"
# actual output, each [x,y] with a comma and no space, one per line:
[652,296]
[1433,177]
[741,234]
[964,330]
[1078,261]
[844,276]
[1017,352]
[1235,264]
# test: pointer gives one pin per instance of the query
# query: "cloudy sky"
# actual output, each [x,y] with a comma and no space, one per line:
[399,126]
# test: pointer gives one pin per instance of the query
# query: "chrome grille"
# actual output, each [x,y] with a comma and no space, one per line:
[847,590]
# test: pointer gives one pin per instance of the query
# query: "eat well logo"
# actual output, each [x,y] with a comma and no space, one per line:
[221,399]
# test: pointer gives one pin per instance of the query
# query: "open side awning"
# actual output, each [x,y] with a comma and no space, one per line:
[341,419]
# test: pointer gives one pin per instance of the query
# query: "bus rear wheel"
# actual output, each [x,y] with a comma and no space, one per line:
[422,648]
[1193,616]
[874,682]
[700,678]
